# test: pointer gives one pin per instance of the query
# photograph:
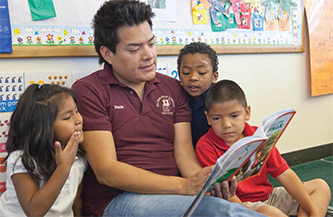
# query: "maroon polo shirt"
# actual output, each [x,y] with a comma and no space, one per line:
[143,131]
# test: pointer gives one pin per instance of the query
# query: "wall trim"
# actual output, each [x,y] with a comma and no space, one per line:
[309,154]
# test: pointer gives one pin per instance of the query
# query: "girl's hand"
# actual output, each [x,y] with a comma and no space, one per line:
[67,155]
[36,201]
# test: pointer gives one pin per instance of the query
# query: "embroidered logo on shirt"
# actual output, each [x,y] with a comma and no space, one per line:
[167,104]
[118,107]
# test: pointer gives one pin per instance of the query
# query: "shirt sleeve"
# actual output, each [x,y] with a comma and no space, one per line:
[15,164]
[92,106]
[276,165]
[206,156]
[182,112]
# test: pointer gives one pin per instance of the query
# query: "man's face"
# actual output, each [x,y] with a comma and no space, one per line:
[135,59]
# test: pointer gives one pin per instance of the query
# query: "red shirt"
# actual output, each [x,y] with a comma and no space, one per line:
[210,147]
[143,131]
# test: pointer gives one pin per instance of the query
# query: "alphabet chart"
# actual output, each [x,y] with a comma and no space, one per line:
[11,87]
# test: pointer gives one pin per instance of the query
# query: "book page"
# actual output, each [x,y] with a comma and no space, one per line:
[273,127]
[235,160]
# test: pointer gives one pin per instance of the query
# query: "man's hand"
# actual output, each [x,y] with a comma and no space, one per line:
[194,183]
[225,190]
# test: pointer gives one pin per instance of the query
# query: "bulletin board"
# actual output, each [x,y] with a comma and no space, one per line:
[172,26]
[319,18]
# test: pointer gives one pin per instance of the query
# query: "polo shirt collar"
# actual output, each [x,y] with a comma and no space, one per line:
[107,77]
[248,130]
[201,102]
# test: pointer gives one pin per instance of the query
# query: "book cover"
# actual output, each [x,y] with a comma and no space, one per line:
[246,157]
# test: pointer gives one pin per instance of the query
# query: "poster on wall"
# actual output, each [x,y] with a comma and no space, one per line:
[272,22]
[319,18]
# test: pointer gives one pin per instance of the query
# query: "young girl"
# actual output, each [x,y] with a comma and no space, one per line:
[43,169]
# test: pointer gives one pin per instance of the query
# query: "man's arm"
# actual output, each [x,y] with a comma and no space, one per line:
[77,205]
[189,166]
[101,155]
[291,182]
[185,157]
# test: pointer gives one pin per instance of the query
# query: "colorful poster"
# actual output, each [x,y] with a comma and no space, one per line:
[319,18]
[57,32]
[5,28]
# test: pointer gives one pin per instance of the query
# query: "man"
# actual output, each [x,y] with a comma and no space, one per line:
[137,127]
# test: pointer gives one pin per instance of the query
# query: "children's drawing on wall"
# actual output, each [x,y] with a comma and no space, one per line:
[215,22]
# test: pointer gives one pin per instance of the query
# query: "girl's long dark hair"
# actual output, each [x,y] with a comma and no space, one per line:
[31,128]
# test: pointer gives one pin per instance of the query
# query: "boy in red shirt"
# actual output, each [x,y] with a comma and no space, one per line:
[227,112]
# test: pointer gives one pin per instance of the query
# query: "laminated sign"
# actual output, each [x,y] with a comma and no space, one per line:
[41,9]
[5,31]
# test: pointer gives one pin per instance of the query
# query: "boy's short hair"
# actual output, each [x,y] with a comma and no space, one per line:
[199,47]
[225,91]
[114,14]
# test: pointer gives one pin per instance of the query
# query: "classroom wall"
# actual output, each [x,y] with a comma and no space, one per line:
[271,82]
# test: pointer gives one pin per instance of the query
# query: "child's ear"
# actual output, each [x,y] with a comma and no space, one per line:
[247,112]
[206,113]
[215,76]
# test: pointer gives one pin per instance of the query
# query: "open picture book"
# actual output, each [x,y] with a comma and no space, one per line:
[246,157]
